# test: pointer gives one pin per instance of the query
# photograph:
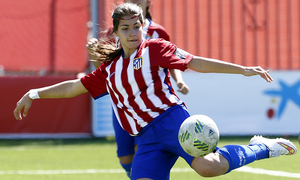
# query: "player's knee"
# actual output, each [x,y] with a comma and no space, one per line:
[126,159]
[209,166]
[207,172]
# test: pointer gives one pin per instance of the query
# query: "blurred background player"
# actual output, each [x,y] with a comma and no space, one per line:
[126,144]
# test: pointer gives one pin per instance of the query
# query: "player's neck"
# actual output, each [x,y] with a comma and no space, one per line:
[127,54]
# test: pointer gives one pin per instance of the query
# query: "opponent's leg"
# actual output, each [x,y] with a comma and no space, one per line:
[126,162]
[125,145]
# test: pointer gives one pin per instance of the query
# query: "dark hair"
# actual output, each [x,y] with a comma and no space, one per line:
[106,50]
[126,9]
[148,14]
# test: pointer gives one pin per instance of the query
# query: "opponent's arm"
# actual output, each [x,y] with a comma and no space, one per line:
[207,65]
[64,89]
[177,76]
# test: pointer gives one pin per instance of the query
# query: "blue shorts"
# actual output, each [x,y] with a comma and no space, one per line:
[125,142]
[158,146]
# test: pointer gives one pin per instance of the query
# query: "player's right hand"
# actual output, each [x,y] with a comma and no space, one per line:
[91,47]
[24,103]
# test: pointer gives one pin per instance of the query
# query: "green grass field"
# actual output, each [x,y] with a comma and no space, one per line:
[89,159]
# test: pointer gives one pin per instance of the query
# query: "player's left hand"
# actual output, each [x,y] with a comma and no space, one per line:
[183,88]
[251,71]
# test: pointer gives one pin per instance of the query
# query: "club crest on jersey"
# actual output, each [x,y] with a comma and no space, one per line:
[137,63]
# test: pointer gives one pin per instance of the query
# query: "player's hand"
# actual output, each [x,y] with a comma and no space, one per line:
[251,71]
[24,103]
[91,47]
[183,88]
[92,44]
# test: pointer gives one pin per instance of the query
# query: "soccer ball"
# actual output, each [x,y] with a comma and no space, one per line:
[198,135]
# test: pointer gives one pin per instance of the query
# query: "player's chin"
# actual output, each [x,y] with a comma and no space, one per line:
[133,46]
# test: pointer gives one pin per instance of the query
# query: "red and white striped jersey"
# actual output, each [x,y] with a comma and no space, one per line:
[154,31]
[139,87]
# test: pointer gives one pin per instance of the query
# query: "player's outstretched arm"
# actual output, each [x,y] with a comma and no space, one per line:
[177,76]
[207,65]
[64,89]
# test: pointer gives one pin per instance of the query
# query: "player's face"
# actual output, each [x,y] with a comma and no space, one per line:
[130,34]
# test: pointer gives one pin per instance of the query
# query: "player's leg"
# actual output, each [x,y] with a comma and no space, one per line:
[126,163]
[152,162]
[158,142]
[224,160]
[228,157]
[231,157]
[125,146]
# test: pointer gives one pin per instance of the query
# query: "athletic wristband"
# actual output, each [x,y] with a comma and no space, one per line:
[33,94]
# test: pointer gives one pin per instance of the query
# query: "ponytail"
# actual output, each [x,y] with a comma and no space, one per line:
[148,14]
[106,49]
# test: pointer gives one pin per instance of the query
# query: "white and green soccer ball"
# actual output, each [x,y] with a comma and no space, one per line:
[198,135]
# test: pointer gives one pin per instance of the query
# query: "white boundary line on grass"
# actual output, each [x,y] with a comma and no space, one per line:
[100,171]
[268,172]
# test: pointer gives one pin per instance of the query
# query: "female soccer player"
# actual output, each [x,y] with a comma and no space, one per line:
[126,144]
[136,78]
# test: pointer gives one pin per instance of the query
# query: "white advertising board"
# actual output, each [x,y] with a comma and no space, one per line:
[102,117]
[246,105]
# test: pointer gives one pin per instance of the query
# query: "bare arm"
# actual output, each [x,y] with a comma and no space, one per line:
[177,76]
[64,89]
[207,65]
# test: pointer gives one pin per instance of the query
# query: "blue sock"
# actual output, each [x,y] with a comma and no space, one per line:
[238,155]
[127,168]
[260,150]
